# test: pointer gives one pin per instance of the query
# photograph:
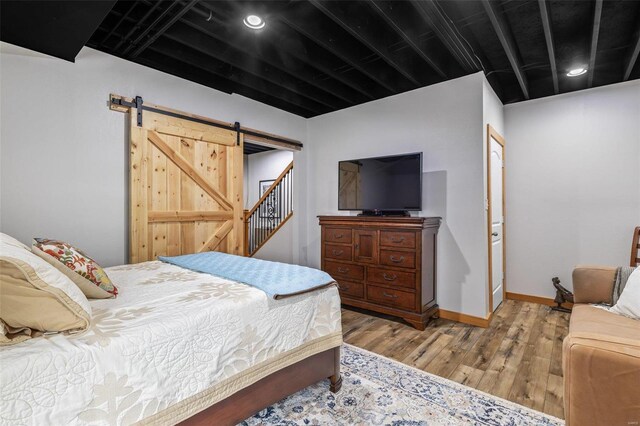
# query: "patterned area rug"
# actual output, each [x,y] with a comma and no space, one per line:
[380,391]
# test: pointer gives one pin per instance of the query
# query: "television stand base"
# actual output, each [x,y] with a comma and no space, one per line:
[396,213]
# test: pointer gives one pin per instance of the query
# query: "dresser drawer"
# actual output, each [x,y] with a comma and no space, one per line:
[335,251]
[402,239]
[389,277]
[391,297]
[402,259]
[350,289]
[337,235]
[342,270]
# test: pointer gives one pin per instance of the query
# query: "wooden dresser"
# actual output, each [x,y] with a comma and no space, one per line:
[384,264]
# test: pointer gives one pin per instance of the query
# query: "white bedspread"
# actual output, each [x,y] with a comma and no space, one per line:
[171,334]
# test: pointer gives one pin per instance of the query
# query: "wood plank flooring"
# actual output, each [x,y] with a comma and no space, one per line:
[519,357]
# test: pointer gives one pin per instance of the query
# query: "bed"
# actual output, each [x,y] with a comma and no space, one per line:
[174,346]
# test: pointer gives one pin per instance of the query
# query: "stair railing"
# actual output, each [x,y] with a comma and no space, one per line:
[271,211]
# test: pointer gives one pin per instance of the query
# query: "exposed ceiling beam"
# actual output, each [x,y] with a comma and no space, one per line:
[159,61]
[217,29]
[149,27]
[597,15]
[208,23]
[630,62]
[319,59]
[313,30]
[411,41]
[447,33]
[165,27]
[204,43]
[364,35]
[548,36]
[120,21]
[137,25]
[196,59]
[501,29]
[315,60]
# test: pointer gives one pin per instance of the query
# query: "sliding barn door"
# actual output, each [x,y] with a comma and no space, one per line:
[185,188]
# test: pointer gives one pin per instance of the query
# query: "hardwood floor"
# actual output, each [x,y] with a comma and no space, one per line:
[519,357]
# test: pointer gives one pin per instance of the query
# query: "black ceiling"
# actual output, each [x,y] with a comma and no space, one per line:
[57,28]
[315,57]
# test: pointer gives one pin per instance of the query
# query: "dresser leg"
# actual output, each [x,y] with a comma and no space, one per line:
[418,325]
[421,322]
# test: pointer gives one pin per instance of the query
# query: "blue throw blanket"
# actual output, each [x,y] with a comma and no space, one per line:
[276,279]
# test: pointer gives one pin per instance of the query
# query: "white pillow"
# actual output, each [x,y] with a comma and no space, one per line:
[629,302]
[10,241]
[35,297]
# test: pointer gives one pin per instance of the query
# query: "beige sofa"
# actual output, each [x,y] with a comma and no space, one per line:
[601,356]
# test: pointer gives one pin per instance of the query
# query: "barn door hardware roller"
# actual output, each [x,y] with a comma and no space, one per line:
[236,126]
[136,103]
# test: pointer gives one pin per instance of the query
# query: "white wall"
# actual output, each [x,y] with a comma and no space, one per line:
[64,153]
[573,184]
[445,122]
[264,166]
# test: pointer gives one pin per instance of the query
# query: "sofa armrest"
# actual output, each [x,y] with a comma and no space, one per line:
[601,381]
[593,284]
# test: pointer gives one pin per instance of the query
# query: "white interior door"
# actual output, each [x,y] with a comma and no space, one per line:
[497,222]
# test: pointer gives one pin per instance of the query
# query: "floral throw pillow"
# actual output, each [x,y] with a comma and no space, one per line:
[83,270]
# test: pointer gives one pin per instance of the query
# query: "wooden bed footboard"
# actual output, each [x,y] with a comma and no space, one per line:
[271,389]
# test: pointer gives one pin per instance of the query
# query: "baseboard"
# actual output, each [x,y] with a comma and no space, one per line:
[536,299]
[466,319]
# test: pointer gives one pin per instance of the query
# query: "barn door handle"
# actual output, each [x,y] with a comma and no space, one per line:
[396,260]
[392,296]
[397,240]
[343,270]
[337,252]
[389,278]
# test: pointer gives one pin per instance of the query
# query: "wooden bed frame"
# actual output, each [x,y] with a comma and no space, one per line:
[271,389]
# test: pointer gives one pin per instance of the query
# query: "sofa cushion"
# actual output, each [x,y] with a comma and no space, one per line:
[599,324]
[593,284]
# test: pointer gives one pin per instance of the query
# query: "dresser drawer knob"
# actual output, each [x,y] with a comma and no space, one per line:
[337,252]
[343,270]
[391,296]
[397,240]
[389,277]
[338,236]
[397,260]
[343,287]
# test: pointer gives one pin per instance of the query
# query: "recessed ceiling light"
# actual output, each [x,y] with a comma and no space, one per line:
[254,22]
[576,72]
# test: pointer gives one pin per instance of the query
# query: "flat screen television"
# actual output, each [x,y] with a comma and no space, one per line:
[381,185]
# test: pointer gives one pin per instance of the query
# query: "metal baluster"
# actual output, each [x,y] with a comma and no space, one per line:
[289,191]
[280,188]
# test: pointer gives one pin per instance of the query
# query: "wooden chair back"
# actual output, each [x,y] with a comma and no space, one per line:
[635,248]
